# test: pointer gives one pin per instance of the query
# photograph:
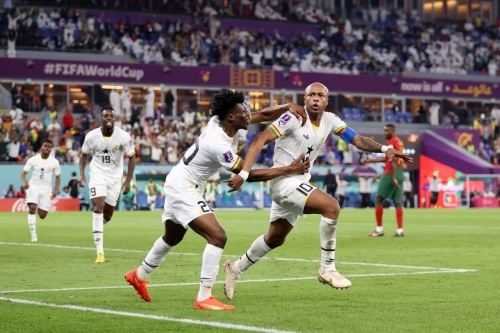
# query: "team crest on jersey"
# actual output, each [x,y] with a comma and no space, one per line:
[228,156]
[320,143]
[284,119]
[130,144]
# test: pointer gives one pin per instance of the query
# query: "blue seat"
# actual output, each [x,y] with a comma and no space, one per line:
[142,199]
[267,200]
[389,115]
[357,115]
[347,113]
[400,118]
[408,117]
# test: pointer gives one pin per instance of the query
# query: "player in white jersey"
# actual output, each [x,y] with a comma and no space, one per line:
[292,195]
[39,189]
[107,144]
[184,205]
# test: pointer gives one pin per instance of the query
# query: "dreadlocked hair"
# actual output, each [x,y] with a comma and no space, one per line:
[225,102]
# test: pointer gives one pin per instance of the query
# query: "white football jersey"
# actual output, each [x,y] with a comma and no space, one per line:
[294,139]
[107,152]
[43,169]
[211,151]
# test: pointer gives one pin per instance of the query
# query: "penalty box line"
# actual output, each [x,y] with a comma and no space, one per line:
[181,284]
[216,324]
[457,270]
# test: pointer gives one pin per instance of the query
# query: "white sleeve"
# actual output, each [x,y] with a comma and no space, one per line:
[86,144]
[29,165]
[57,169]
[227,157]
[338,125]
[128,144]
[287,123]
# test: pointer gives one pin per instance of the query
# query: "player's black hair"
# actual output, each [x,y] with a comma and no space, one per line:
[225,102]
[107,108]
[49,141]
[391,126]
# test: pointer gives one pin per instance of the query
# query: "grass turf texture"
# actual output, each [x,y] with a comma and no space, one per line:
[382,299]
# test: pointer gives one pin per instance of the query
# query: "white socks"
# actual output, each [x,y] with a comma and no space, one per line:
[327,233]
[152,206]
[32,225]
[154,258]
[257,250]
[379,229]
[209,270]
[97,230]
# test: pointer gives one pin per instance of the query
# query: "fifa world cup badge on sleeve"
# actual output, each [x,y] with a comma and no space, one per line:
[284,119]
[228,156]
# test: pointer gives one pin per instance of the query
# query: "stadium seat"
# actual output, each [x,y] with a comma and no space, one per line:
[142,200]
[347,113]
[400,118]
[389,115]
[408,117]
[357,115]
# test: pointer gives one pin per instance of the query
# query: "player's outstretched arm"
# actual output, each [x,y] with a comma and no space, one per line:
[373,160]
[260,140]
[367,144]
[299,166]
[130,173]
[82,164]
[274,112]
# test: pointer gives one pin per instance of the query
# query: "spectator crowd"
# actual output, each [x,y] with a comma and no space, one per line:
[388,41]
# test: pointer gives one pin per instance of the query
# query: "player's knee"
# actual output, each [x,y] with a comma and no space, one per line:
[332,209]
[107,217]
[219,240]
[97,209]
[42,215]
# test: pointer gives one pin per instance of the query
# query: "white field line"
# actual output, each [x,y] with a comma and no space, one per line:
[412,226]
[147,316]
[459,270]
[221,282]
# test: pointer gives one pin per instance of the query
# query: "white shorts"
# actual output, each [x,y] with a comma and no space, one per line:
[39,198]
[151,199]
[210,197]
[109,188]
[289,199]
[183,203]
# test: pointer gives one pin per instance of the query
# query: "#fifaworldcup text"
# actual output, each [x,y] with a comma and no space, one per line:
[93,70]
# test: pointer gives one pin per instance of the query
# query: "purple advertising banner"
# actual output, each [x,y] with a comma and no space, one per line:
[462,137]
[219,77]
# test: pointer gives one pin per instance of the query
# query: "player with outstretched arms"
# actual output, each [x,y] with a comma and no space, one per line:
[184,204]
[293,195]
[107,144]
[39,189]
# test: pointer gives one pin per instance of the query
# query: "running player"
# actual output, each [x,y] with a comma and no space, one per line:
[107,144]
[184,205]
[292,195]
[39,189]
[390,185]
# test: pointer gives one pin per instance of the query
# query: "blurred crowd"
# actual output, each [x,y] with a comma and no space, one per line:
[388,41]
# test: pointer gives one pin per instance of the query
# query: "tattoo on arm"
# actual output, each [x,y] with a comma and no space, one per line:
[366,144]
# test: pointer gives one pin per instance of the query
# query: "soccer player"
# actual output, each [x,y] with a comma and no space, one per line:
[292,195]
[152,190]
[39,189]
[390,185]
[107,144]
[184,205]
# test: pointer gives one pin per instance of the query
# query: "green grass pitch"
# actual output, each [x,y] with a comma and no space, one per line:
[442,276]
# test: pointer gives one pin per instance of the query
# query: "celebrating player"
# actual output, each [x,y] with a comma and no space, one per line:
[292,195]
[184,204]
[390,185]
[107,144]
[39,189]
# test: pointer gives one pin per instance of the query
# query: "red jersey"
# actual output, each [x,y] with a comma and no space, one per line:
[397,144]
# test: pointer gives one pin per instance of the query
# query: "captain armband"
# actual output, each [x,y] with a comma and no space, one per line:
[348,135]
